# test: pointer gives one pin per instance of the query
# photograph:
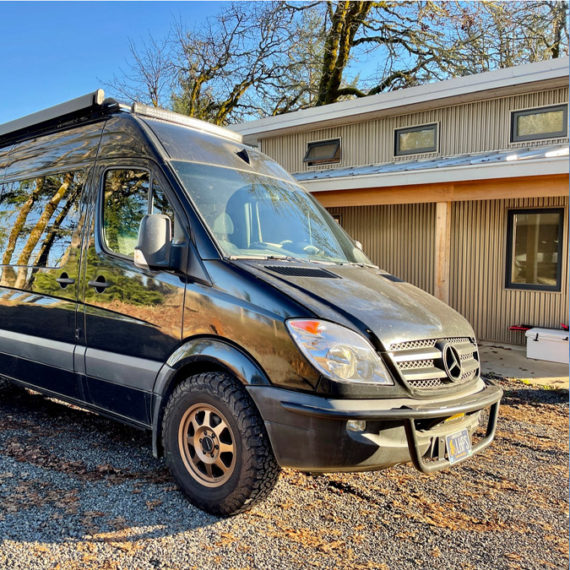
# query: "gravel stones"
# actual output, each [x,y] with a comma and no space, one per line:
[80,491]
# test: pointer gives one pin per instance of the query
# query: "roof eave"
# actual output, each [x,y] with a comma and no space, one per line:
[511,81]
[514,169]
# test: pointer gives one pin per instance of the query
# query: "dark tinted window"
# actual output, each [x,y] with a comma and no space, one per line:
[535,249]
[39,219]
[323,152]
[543,123]
[414,140]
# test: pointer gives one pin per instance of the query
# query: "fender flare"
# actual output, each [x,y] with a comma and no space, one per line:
[203,350]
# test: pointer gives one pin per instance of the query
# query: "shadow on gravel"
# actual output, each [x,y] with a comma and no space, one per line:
[537,397]
[516,393]
[69,474]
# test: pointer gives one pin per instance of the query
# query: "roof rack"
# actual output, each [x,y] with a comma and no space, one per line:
[92,106]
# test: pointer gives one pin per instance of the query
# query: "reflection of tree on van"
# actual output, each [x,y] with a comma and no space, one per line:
[125,204]
[44,215]
[127,289]
[45,232]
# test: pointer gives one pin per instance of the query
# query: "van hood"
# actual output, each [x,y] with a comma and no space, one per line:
[363,298]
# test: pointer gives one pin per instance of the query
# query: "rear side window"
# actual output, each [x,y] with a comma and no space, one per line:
[39,220]
[128,195]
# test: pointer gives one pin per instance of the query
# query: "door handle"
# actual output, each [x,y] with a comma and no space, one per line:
[64,280]
[99,283]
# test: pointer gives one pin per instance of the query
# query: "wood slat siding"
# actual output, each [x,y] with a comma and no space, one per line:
[467,128]
[397,238]
[478,266]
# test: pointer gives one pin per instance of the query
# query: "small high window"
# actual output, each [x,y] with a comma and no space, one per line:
[323,152]
[415,140]
[534,249]
[542,123]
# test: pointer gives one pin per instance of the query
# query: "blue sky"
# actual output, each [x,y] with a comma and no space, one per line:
[54,51]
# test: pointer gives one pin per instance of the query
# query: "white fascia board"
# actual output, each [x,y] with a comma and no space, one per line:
[470,86]
[514,169]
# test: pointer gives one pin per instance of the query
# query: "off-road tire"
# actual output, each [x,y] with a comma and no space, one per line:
[249,471]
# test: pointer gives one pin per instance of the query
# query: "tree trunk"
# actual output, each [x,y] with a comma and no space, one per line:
[36,233]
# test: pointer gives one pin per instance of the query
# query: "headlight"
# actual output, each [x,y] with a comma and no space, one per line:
[338,352]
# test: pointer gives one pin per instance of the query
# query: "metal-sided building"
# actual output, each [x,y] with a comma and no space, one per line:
[459,187]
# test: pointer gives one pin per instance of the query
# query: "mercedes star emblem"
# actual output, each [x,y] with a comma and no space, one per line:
[452,362]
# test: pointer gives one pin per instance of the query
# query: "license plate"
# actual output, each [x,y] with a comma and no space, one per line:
[458,445]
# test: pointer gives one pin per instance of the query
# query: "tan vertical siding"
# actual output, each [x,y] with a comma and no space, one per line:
[398,238]
[401,240]
[478,266]
[467,128]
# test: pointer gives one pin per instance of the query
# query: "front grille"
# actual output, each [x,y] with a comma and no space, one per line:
[411,364]
[433,383]
[421,362]
[409,345]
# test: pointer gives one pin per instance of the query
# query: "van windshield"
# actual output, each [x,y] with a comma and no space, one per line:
[256,216]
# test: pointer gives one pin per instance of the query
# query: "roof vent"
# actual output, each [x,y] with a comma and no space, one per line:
[243,155]
[301,271]
[391,277]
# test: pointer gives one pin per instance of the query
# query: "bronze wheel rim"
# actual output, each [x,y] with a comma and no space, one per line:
[207,445]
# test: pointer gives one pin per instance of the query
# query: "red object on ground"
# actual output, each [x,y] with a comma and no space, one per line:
[528,327]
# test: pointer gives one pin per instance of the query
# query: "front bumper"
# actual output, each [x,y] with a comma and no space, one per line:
[310,432]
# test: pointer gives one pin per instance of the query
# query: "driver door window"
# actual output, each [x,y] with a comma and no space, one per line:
[127,198]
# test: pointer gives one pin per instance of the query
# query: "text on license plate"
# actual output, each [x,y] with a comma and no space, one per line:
[458,445]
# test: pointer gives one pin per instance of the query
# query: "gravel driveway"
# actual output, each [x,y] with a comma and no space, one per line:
[79,491]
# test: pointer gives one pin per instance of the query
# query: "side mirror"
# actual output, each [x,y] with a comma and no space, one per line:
[358,245]
[153,246]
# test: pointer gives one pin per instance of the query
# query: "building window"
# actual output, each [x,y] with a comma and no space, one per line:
[415,140]
[543,123]
[323,152]
[534,249]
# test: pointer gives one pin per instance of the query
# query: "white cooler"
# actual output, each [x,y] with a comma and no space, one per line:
[547,344]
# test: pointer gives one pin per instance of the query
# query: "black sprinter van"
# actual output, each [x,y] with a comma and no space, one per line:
[156,270]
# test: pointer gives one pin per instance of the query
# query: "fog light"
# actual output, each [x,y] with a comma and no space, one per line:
[355,425]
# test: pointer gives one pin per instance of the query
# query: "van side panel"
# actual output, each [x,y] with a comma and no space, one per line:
[123,138]
[132,323]
[67,150]
[42,217]
[4,158]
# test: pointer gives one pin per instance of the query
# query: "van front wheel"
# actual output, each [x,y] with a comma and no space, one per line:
[216,445]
